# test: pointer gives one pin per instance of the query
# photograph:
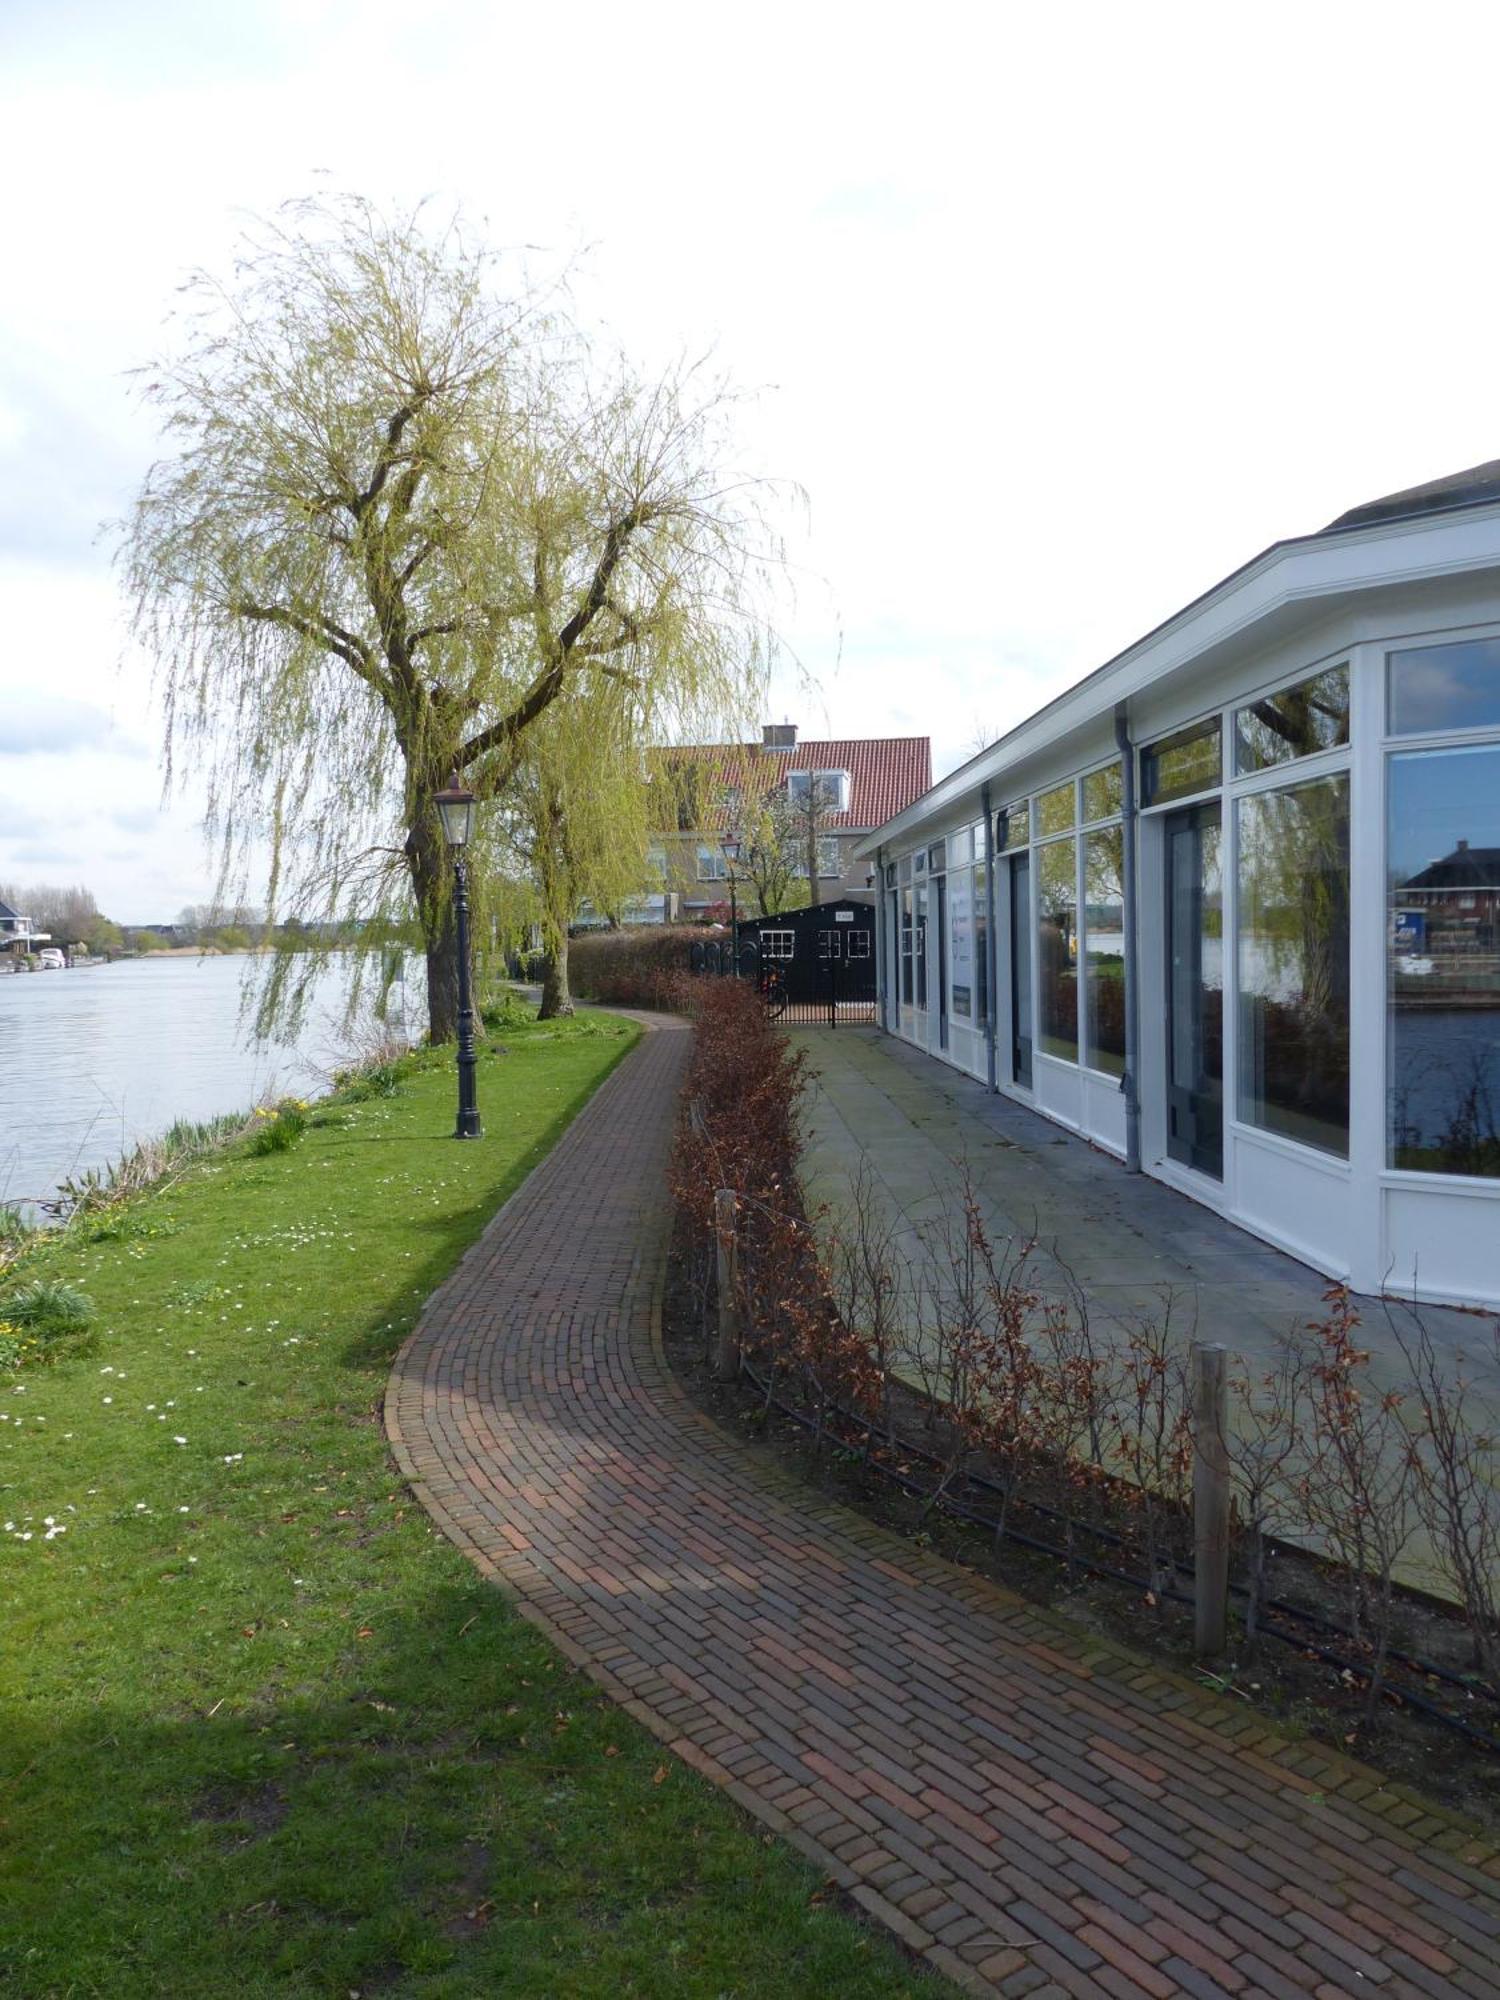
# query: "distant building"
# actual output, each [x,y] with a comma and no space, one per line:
[718,788]
[16,934]
[1453,905]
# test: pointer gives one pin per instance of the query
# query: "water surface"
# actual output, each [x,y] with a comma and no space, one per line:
[96,1058]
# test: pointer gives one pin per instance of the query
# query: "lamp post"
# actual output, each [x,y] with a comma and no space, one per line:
[456,811]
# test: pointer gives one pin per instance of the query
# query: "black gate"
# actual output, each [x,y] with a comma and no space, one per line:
[814,968]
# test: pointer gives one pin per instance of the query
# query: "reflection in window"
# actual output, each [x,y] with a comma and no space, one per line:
[906,947]
[1293,962]
[1181,764]
[1014,827]
[1057,947]
[1103,793]
[1445,687]
[982,944]
[961,945]
[1298,722]
[1057,810]
[919,946]
[1104,946]
[1443,862]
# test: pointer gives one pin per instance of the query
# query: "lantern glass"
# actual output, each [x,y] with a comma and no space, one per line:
[456,811]
[731,849]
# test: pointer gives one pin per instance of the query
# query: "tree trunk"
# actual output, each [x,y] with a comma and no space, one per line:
[557,1001]
[432,886]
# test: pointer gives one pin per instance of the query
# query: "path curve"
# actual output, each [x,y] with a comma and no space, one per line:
[1034,1812]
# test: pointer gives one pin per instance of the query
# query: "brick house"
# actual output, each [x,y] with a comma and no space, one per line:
[713,790]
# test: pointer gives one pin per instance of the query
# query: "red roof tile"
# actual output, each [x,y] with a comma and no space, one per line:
[886,773]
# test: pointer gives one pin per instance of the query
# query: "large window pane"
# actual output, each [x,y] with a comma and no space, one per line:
[1057,946]
[1293,962]
[1182,764]
[1297,722]
[1443,861]
[1104,946]
[1014,826]
[906,948]
[1445,687]
[961,945]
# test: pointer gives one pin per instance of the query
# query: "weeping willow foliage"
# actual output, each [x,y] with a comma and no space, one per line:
[404,516]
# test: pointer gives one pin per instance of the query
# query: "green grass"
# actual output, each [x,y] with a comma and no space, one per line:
[262,1731]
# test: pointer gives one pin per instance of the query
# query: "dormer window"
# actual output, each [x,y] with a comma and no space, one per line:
[833,787]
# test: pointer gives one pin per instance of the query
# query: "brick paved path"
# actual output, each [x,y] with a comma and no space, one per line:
[1037,1813]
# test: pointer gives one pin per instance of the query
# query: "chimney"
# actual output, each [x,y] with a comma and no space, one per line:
[778,736]
[1463,847]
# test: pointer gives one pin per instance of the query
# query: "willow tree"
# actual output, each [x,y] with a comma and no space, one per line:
[576,822]
[404,516]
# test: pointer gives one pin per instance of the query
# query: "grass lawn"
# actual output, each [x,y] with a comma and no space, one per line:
[261,1729]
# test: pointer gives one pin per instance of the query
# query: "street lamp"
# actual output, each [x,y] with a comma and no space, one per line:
[731,855]
[456,811]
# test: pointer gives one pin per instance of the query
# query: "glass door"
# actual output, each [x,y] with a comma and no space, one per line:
[1195,989]
[1020,969]
[940,887]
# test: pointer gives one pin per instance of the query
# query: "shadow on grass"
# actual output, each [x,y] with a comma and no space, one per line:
[467,1815]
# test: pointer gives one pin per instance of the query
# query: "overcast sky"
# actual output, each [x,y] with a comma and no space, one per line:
[1060,312]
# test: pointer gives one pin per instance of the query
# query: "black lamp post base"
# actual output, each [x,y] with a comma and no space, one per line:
[468,1126]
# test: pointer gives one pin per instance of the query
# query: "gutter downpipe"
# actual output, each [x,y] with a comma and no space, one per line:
[1128,1082]
[992,943]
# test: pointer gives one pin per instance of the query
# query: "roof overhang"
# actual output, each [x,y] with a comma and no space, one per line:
[1271,595]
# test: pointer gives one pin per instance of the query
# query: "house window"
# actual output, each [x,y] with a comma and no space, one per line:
[656,860]
[711,864]
[1103,793]
[828,857]
[1445,687]
[1191,761]
[777,944]
[833,788]
[1293,962]
[1013,827]
[1298,722]
[1058,809]
[1443,932]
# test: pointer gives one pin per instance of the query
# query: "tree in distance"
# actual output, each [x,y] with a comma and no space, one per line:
[405,514]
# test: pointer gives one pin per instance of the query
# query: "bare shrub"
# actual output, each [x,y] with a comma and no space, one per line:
[1457,1500]
[1359,1487]
[1267,1444]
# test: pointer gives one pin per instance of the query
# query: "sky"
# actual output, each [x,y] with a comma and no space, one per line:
[1057,314]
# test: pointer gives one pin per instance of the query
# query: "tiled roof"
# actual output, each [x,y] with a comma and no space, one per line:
[886,773]
[1465,868]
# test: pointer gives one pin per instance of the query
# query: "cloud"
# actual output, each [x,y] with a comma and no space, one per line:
[35,725]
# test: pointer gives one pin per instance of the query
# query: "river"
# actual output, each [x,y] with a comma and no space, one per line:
[97,1058]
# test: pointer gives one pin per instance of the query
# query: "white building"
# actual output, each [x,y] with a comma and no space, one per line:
[1228,906]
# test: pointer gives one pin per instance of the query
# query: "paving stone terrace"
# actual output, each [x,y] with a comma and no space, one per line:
[1032,1811]
[1128,1240]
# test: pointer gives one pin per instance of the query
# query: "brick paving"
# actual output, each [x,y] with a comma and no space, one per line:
[1033,1811]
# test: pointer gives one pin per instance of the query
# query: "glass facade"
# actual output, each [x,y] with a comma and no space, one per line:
[982,945]
[1104,950]
[1057,947]
[1445,687]
[1296,722]
[1443,960]
[1014,829]
[1292,962]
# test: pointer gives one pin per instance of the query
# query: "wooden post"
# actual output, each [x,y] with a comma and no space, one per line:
[1210,1499]
[727,1351]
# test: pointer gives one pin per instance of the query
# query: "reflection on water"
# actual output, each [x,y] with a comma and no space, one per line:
[97,1058]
